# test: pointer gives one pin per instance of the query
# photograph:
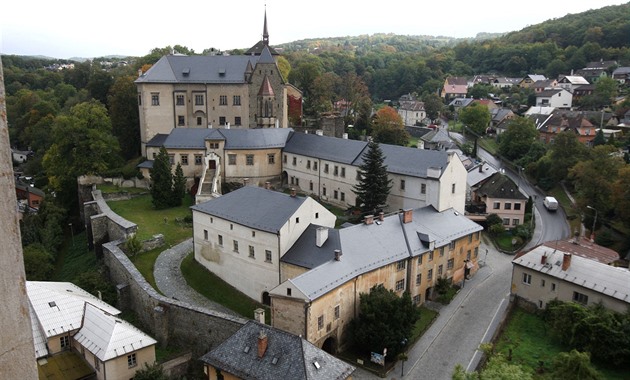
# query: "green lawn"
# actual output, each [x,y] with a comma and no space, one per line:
[531,341]
[426,319]
[145,262]
[217,290]
[74,258]
[107,188]
[151,221]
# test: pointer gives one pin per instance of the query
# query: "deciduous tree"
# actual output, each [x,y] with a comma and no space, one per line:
[388,128]
[516,141]
[476,117]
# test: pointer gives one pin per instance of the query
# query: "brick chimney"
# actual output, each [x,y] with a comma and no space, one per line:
[369,219]
[293,192]
[381,216]
[262,344]
[321,235]
[566,261]
[543,259]
[407,216]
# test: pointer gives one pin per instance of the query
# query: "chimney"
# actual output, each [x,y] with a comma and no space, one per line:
[543,259]
[338,255]
[481,168]
[407,216]
[293,192]
[369,219]
[381,216]
[259,315]
[321,235]
[139,72]
[566,261]
[262,344]
[268,185]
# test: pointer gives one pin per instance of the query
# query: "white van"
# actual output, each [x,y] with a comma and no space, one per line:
[550,203]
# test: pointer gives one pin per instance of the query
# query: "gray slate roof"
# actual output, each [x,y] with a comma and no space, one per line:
[584,272]
[287,357]
[194,138]
[302,253]
[254,207]
[398,159]
[367,247]
[502,187]
[200,69]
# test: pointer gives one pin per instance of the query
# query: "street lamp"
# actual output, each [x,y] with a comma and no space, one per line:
[71,233]
[594,222]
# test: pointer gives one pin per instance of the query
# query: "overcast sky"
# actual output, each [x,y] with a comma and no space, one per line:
[73,28]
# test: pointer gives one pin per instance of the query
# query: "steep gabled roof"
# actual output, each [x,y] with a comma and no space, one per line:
[324,147]
[286,356]
[500,186]
[254,207]
[108,337]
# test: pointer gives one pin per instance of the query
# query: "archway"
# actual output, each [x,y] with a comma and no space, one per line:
[266,300]
[330,345]
[284,179]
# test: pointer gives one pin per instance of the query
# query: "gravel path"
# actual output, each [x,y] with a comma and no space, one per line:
[169,279]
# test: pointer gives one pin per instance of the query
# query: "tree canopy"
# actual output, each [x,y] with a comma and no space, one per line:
[476,117]
[374,183]
[519,137]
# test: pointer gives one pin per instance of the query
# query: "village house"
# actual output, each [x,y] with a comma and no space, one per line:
[454,87]
[549,272]
[258,351]
[556,97]
[530,79]
[75,332]
[411,111]
[562,121]
[497,194]
[570,82]
[243,91]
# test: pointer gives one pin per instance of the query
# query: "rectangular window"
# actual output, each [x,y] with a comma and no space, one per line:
[235,246]
[236,100]
[335,194]
[199,100]
[314,165]
[297,220]
[580,298]
[553,287]
[401,265]
[423,188]
[237,120]
[337,313]
[221,240]
[198,159]
[171,159]
[231,159]
[416,299]
[205,234]
[336,170]
[470,238]
[249,159]
[310,185]
[297,181]
[343,172]
[223,100]
[515,222]
[324,191]
[179,100]
[251,252]
[542,283]
[294,161]
[320,322]
[155,99]
[308,164]
[468,255]
[440,268]
[430,274]
[527,278]
[453,188]
[441,251]
[419,260]
[496,205]
[450,263]
[476,252]
[402,184]
[271,158]
[325,168]
[418,278]
[184,159]
[431,256]
[131,360]
[181,120]
[508,206]
[267,255]
[139,99]
[214,145]
[222,120]
[506,221]
[284,159]
[400,285]
[451,245]
[253,234]
[198,120]
[517,206]
[64,342]
[343,196]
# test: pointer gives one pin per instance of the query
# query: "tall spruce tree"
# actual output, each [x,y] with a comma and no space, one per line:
[374,184]
[179,186]
[162,181]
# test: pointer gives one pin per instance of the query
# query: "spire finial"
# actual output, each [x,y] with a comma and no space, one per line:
[265,33]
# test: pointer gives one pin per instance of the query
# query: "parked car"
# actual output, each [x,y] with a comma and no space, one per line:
[550,203]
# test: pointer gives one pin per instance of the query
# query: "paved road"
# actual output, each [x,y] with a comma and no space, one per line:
[169,279]
[470,319]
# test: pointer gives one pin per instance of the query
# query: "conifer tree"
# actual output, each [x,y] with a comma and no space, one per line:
[374,184]
[179,186]
[162,181]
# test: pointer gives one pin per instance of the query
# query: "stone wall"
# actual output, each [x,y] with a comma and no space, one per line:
[103,224]
[170,321]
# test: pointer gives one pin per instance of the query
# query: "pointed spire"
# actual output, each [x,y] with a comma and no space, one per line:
[265,32]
